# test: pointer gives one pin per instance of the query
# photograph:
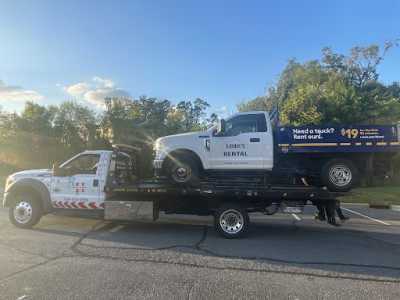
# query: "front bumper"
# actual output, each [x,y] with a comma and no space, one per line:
[157,167]
[157,164]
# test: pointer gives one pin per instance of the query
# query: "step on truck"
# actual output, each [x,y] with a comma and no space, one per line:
[105,184]
[254,144]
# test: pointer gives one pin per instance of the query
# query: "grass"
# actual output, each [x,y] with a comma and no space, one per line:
[374,196]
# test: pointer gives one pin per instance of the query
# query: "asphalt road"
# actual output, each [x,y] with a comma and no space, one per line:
[280,258]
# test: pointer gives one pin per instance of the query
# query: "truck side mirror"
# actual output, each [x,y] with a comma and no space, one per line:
[57,171]
[221,127]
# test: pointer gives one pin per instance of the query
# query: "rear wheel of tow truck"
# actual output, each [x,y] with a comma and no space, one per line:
[231,220]
[339,175]
[182,171]
[25,212]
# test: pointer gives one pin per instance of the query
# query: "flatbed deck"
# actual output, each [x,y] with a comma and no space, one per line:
[290,192]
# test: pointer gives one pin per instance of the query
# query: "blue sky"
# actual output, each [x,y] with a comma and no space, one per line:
[219,51]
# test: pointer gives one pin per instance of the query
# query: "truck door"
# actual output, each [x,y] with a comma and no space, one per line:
[242,145]
[78,184]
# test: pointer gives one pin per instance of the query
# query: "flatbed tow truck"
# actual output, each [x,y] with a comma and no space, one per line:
[104,184]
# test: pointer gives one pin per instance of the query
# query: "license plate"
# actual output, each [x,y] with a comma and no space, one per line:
[292,207]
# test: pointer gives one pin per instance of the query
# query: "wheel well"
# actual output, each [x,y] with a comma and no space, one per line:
[27,191]
[182,152]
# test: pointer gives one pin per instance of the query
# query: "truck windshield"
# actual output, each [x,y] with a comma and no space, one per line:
[245,123]
[84,164]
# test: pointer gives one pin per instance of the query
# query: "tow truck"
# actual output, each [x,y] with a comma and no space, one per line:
[106,184]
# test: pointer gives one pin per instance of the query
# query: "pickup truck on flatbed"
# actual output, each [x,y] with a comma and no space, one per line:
[105,184]
[254,144]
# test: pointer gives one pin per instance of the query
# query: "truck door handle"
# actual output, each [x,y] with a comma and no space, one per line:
[254,140]
[95,183]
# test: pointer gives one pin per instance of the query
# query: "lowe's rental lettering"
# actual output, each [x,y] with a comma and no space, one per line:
[235,149]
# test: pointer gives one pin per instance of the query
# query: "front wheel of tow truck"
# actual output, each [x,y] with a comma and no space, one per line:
[231,220]
[25,212]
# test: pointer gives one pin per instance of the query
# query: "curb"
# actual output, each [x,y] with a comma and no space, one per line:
[395,207]
[375,206]
[355,205]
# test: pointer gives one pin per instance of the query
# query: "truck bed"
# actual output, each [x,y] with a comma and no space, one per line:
[274,192]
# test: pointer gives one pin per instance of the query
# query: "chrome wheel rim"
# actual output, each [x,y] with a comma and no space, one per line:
[340,175]
[23,212]
[181,172]
[231,221]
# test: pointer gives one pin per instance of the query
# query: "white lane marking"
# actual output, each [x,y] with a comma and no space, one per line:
[22,297]
[354,212]
[296,217]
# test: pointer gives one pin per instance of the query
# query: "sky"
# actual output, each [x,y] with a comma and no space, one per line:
[221,51]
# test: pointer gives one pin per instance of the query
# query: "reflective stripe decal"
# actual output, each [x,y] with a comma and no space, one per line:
[77,205]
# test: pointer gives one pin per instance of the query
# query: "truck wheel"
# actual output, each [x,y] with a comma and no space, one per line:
[231,220]
[182,171]
[25,212]
[339,175]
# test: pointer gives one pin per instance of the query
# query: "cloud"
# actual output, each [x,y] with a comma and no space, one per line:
[96,92]
[17,93]
[97,97]
[78,89]
[107,82]
[220,111]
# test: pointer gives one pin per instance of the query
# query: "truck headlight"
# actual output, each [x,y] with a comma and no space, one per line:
[10,180]
[158,145]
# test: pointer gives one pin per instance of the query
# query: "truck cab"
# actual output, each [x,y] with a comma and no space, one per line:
[243,142]
[79,183]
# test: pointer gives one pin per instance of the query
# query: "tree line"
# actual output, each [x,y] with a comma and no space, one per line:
[336,89]
[40,136]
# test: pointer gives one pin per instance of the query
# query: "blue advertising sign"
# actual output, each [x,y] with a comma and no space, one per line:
[339,138]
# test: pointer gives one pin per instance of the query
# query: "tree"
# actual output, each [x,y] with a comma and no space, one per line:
[193,114]
[6,124]
[338,90]
[35,118]
[117,108]
[69,118]
[361,64]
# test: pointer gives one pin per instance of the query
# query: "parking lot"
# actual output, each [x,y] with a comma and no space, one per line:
[283,256]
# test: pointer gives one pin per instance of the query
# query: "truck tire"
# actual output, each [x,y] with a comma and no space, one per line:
[339,175]
[231,220]
[25,212]
[182,171]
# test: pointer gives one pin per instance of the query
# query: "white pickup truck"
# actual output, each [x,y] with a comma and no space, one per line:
[248,144]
